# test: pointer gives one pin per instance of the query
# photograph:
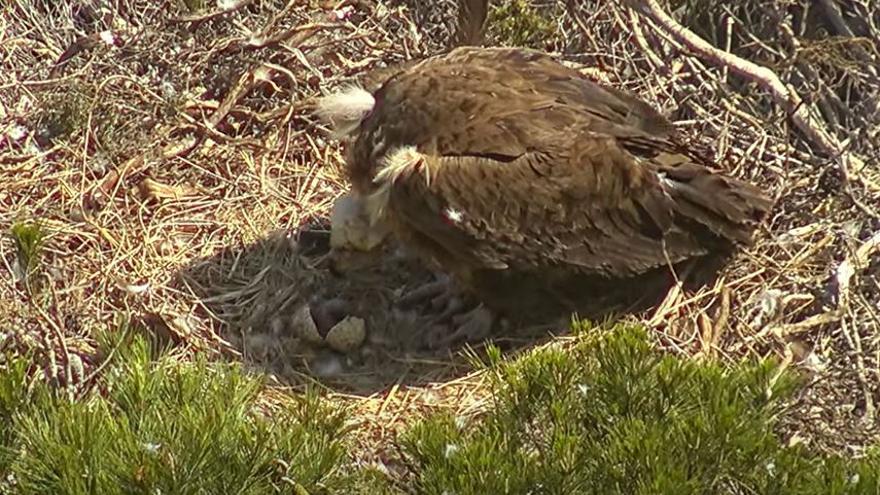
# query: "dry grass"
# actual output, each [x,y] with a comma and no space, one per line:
[172,160]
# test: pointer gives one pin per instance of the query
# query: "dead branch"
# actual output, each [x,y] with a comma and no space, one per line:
[850,267]
[801,113]
[198,19]
[296,35]
[471,20]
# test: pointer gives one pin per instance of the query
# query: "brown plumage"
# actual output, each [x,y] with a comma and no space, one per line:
[538,189]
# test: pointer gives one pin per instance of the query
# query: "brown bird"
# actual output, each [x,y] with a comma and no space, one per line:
[540,191]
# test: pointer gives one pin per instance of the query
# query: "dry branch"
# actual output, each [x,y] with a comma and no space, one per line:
[198,19]
[850,267]
[786,97]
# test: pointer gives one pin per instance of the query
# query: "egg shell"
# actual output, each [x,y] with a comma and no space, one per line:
[347,335]
[303,325]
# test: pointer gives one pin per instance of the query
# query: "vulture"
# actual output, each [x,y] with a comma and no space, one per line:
[537,190]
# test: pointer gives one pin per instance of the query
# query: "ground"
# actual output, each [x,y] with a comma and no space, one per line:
[168,153]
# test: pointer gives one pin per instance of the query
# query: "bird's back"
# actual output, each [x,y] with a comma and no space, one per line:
[496,101]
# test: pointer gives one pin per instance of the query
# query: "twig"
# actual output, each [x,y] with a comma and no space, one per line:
[58,333]
[198,19]
[851,336]
[832,11]
[850,266]
[799,111]
[296,35]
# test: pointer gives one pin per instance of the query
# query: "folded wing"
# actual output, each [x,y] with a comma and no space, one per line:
[592,208]
[506,159]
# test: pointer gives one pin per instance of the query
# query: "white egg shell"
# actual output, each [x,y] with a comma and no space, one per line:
[303,325]
[347,335]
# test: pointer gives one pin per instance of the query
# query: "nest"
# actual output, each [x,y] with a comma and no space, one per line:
[169,153]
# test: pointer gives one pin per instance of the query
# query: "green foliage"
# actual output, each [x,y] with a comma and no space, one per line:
[14,394]
[614,416]
[28,237]
[161,426]
[608,415]
[518,23]
[371,481]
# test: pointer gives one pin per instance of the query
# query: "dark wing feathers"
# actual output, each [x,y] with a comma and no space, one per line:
[554,210]
[544,168]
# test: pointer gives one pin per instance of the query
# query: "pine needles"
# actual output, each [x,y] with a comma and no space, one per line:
[159,426]
[612,415]
[607,414]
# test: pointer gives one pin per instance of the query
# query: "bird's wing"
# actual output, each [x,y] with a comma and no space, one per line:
[591,206]
[504,157]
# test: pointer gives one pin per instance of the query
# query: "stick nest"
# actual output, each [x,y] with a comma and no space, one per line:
[168,152]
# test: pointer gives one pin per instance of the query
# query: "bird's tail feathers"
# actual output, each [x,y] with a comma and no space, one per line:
[728,207]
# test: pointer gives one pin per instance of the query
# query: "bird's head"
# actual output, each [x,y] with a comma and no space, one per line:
[344,111]
[355,221]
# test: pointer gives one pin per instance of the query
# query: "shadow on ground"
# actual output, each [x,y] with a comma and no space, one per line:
[255,292]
